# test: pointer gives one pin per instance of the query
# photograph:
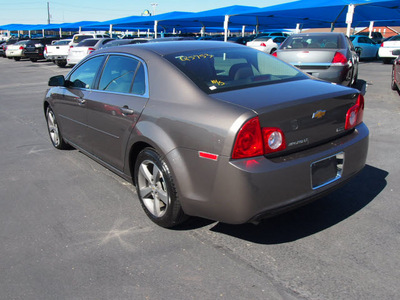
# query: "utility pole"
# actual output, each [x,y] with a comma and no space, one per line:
[48,13]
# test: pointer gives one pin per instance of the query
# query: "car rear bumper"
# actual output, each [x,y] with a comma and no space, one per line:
[385,52]
[15,53]
[336,74]
[239,191]
[35,55]
[57,57]
[74,59]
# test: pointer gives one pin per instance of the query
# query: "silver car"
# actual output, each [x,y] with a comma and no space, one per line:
[329,56]
[209,129]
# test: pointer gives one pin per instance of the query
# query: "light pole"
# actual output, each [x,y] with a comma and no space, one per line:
[154,7]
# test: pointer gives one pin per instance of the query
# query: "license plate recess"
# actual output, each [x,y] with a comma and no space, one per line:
[327,170]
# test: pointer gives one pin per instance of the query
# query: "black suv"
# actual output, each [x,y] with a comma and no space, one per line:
[35,47]
[376,36]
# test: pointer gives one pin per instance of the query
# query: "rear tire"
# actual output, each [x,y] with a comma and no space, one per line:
[33,59]
[156,190]
[386,60]
[17,58]
[61,64]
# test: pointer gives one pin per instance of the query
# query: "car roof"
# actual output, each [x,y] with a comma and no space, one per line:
[317,33]
[166,48]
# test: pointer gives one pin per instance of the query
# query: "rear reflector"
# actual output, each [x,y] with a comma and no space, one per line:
[208,155]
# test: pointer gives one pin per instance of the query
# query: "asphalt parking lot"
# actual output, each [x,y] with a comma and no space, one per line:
[71,229]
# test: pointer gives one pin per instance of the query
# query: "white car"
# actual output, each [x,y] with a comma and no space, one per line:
[84,48]
[267,44]
[387,48]
[17,50]
[79,37]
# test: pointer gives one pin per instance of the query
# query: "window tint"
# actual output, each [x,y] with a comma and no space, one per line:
[218,70]
[118,74]
[139,84]
[314,41]
[88,43]
[79,38]
[61,42]
[84,75]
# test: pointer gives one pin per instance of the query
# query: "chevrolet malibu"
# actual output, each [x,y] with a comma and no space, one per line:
[209,129]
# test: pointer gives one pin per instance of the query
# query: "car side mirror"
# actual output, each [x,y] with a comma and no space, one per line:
[358,50]
[396,52]
[58,80]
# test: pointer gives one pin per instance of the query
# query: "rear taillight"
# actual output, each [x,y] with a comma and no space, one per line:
[252,140]
[339,59]
[355,114]
[275,54]
[21,48]
[383,45]
[263,45]
[45,49]
[90,50]
[249,140]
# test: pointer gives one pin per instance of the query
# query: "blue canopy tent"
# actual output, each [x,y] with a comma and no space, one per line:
[147,22]
[328,13]
[305,13]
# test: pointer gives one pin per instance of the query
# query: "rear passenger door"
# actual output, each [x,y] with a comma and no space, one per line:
[115,106]
[71,101]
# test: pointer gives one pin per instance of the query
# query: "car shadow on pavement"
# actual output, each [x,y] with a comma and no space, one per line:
[316,216]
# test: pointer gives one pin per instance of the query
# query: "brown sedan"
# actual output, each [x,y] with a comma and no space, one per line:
[209,129]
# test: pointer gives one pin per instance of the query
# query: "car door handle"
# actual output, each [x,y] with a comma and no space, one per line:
[81,101]
[126,110]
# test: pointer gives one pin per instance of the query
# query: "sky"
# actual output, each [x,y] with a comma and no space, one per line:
[69,11]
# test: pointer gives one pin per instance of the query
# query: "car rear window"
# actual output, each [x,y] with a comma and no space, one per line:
[62,42]
[88,43]
[312,42]
[219,70]
[79,38]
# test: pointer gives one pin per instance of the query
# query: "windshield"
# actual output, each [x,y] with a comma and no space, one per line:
[219,70]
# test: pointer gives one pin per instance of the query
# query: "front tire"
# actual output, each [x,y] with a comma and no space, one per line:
[393,83]
[156,190]
[54,132]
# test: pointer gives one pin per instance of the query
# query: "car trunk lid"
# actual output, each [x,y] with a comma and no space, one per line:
[308,112]
[303,58]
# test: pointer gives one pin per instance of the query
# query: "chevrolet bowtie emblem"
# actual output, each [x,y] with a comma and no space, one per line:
[319,114]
